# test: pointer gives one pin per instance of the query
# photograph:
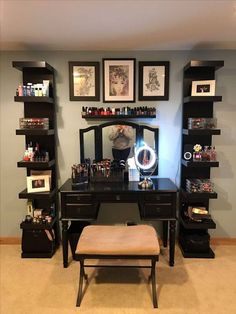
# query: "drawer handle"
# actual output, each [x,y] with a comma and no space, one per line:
[158,197]
[118,197]
[78,198]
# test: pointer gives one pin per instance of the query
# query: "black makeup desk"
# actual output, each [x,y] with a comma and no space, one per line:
[81,203]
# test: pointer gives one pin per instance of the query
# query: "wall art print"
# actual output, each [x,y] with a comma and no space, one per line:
[84,81]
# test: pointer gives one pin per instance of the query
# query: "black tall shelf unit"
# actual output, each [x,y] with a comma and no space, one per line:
[40,107]
[194,107]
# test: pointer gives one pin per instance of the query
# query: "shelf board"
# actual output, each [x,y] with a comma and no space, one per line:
[34,132]
[201,132]
[202,99]
[38,226]
[190,224]
[118,117]
[209,254]
[38,195]
[33,99]
[36,164]
[196,64]
[38,255]
[200,164]
[194,196]
[33,65]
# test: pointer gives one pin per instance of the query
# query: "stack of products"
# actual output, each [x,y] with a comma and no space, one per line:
[202,123]
[107,171]
[197,213]
[199,186]
[34,123]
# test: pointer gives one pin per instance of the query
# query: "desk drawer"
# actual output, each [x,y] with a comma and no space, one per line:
[152,211]
[116,198]
[78,198]
[158,198]
[83,211]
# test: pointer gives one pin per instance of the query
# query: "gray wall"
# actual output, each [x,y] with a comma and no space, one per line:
[13,179]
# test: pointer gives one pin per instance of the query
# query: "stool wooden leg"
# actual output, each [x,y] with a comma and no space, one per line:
[153,276]
[82,274]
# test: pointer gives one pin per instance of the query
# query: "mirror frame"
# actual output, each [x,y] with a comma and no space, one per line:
[98,139]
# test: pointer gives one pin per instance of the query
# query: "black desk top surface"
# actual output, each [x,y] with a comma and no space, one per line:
[159,185]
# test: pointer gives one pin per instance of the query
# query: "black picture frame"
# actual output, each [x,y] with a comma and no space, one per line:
[88,88]
[154,80]
[119,80]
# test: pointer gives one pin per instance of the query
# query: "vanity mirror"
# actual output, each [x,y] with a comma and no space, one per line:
[115,140]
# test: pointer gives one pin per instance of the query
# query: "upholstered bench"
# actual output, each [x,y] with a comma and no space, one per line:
[118,242]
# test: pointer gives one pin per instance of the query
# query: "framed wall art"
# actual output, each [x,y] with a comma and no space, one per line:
[84,81]
[154,80]
[119,80]
[203,88]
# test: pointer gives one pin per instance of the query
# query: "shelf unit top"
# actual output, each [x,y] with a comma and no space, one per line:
[33,99]
[33,65]
[37,195]
[199,164]
[191,224]
[198,64]
[36,164]
[34,132]
[201,131]
[202,99]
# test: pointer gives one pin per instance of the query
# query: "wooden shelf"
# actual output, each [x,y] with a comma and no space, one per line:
[202,99]
[37,226]
[34,132]
[109,117]
[38,255]
[33,99]
[198,64]
[39,195]
[209,254]
[36,164]
[201,132]
[190,224]
[33,65]
[195,196]
[199,164]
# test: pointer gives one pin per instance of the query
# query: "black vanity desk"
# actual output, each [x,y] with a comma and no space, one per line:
[81,203]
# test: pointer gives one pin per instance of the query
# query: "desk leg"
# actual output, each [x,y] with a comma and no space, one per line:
[172,242]
[165,233]
[65,243]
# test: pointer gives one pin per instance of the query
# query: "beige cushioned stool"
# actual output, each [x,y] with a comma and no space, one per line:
[118,242]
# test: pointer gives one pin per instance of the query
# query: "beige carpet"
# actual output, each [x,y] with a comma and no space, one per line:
[41,286]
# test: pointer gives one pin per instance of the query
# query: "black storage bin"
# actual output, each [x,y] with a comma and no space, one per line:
[193,242]
[38,243]
[74,233]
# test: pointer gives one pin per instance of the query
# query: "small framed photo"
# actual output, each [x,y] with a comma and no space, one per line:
[118,80]
[154,80]
[84,80]
[203,88]
[38,184]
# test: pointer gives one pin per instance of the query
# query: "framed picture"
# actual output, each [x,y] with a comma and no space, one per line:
[203,88]
[42,173]
[154,80]
[119,80]
[38,184]
[84,80]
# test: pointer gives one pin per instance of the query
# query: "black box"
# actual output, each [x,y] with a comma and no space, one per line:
[193,242]
[38,243]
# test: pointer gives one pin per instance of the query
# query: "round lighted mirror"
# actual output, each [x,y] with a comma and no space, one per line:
[146,162]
